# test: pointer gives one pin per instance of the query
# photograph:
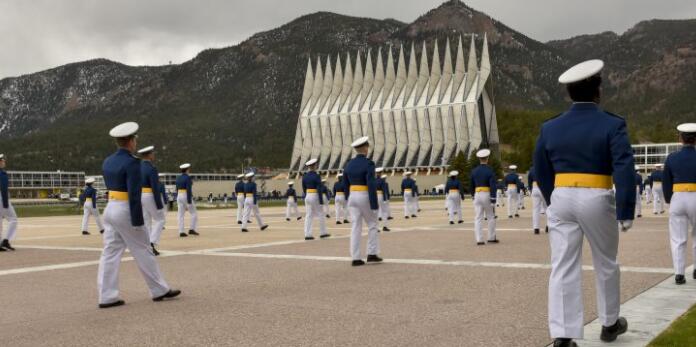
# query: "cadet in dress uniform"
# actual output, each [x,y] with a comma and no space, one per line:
[184,200]
[512,182]
[679,184]
[416,195]
[483,189]
[576,181]
[499,194]
[656,187]
[340,202]
[538,205]
[408,190]
[124,224]
[239,194]
[89,207]
[6,209]
[326,197]
[311,184]
[382,199]
[359,175]
[521,192]
[639,192]
[250,203]
[153,207]
[291,196]
[648,191]
[455,195]
[165,200]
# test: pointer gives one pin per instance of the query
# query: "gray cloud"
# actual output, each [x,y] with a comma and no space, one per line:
[41,34]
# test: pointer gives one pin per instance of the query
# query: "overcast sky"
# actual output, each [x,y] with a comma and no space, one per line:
[41,34]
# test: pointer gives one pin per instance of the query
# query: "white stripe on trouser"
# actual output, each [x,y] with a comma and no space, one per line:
[325,205]
[341,208]
[658,198]
[512,201]
[682,215]
[154,218]
[409,204]
[313,211]
[574,213]
[9,214]
[454,206]
[249,207]
[483,205]
[537,206]
[639,205]
[383,211]
[119,234]
[291,207]
[88,210]
[240,206]
[359,206]
[183,206]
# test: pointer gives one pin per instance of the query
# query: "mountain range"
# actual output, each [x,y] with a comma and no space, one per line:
[239,105]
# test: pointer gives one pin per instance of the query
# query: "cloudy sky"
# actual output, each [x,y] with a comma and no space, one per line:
[40,34]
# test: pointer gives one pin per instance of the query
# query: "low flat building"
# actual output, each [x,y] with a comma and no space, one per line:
[45,184]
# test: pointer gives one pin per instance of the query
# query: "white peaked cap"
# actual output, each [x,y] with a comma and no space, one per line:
[240,176]
[339,175]
[184,166]
[147,149]
[323,179]
[637,167]
[89,180]
[161,175]
[124,130]
[581,71]
[250,174]
[408,173]
[311,162]
[513,167]
[384,176]
[454,173]
[359,142]
[379,169]
[659,165]
[2,156]
[484,153]
[687,128]
[291,183]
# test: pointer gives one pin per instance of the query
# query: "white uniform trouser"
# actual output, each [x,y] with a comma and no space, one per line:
[648,194]
[325,205]
[512,201]
[483,205]
[682,215]
[249,207]
[658,198]
[154,218]
[537,206]
[574,213]
[499,198]
[454,205]
[359,206]
[291,207]
[9,214]
[340,206]
[639,205]
[90,211]
[183,206]
[409,204]
[240,206]
[119,234]
[314,210]
[520,199]
[383,209]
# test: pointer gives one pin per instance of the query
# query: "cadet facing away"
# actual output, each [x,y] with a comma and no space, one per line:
[184,200]
[6,209]
[89,207]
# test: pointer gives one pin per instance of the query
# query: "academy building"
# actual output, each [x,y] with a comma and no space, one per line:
[418,112]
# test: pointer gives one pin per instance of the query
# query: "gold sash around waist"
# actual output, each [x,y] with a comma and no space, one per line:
[582,180]
[116,195]
[483,189]
[358,188]
[684,187]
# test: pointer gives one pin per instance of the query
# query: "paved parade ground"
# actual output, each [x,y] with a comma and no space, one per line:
[272,288]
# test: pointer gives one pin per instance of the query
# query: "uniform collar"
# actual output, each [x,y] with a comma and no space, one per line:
[583,106]
[684,147]
[123,151]
[360,155]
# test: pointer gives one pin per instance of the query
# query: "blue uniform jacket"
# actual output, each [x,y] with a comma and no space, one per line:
[4,183]
[586,139]
[250,188]
[239,188]
[339,186]
[453,183]
[360,171]
[385,190]
[184,182]
[121,172]
[484,176]
[311,180]
[531,178]
[151,180]
[291,192]
[408,183]
[90,193]
[639,182]
[655,176]
[163,193]
[680,167]
[512,178]
[325,191]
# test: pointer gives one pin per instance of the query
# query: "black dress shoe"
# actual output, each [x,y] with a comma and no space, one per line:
[547,229]
[298,218]
[328,216]
[239,222]
[338,223]
[264,227]
[564,343]
[248,221]
[390,218]
[480,243]
[6,244]
[373,258]
[610,334]
[460,222]
[2,249]
[413,216]
[183,235]
[385,229]
[536,231]
[193,232]
[102,231]
[345,221]
[640,215]
[493,241]
[379,219]
[679,279]
[324,236]
[694,274]
[113,304]
[287,219]
[245,230]
[85,232]
[419,210]
[154,250]
[509,216]
[406,217]
[358,262]
[451,222]
[517,215]
[496,217]
[172,293]
[485,218]
[309,238]
[661,212]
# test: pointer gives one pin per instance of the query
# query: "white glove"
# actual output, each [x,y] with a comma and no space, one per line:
[625,225]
